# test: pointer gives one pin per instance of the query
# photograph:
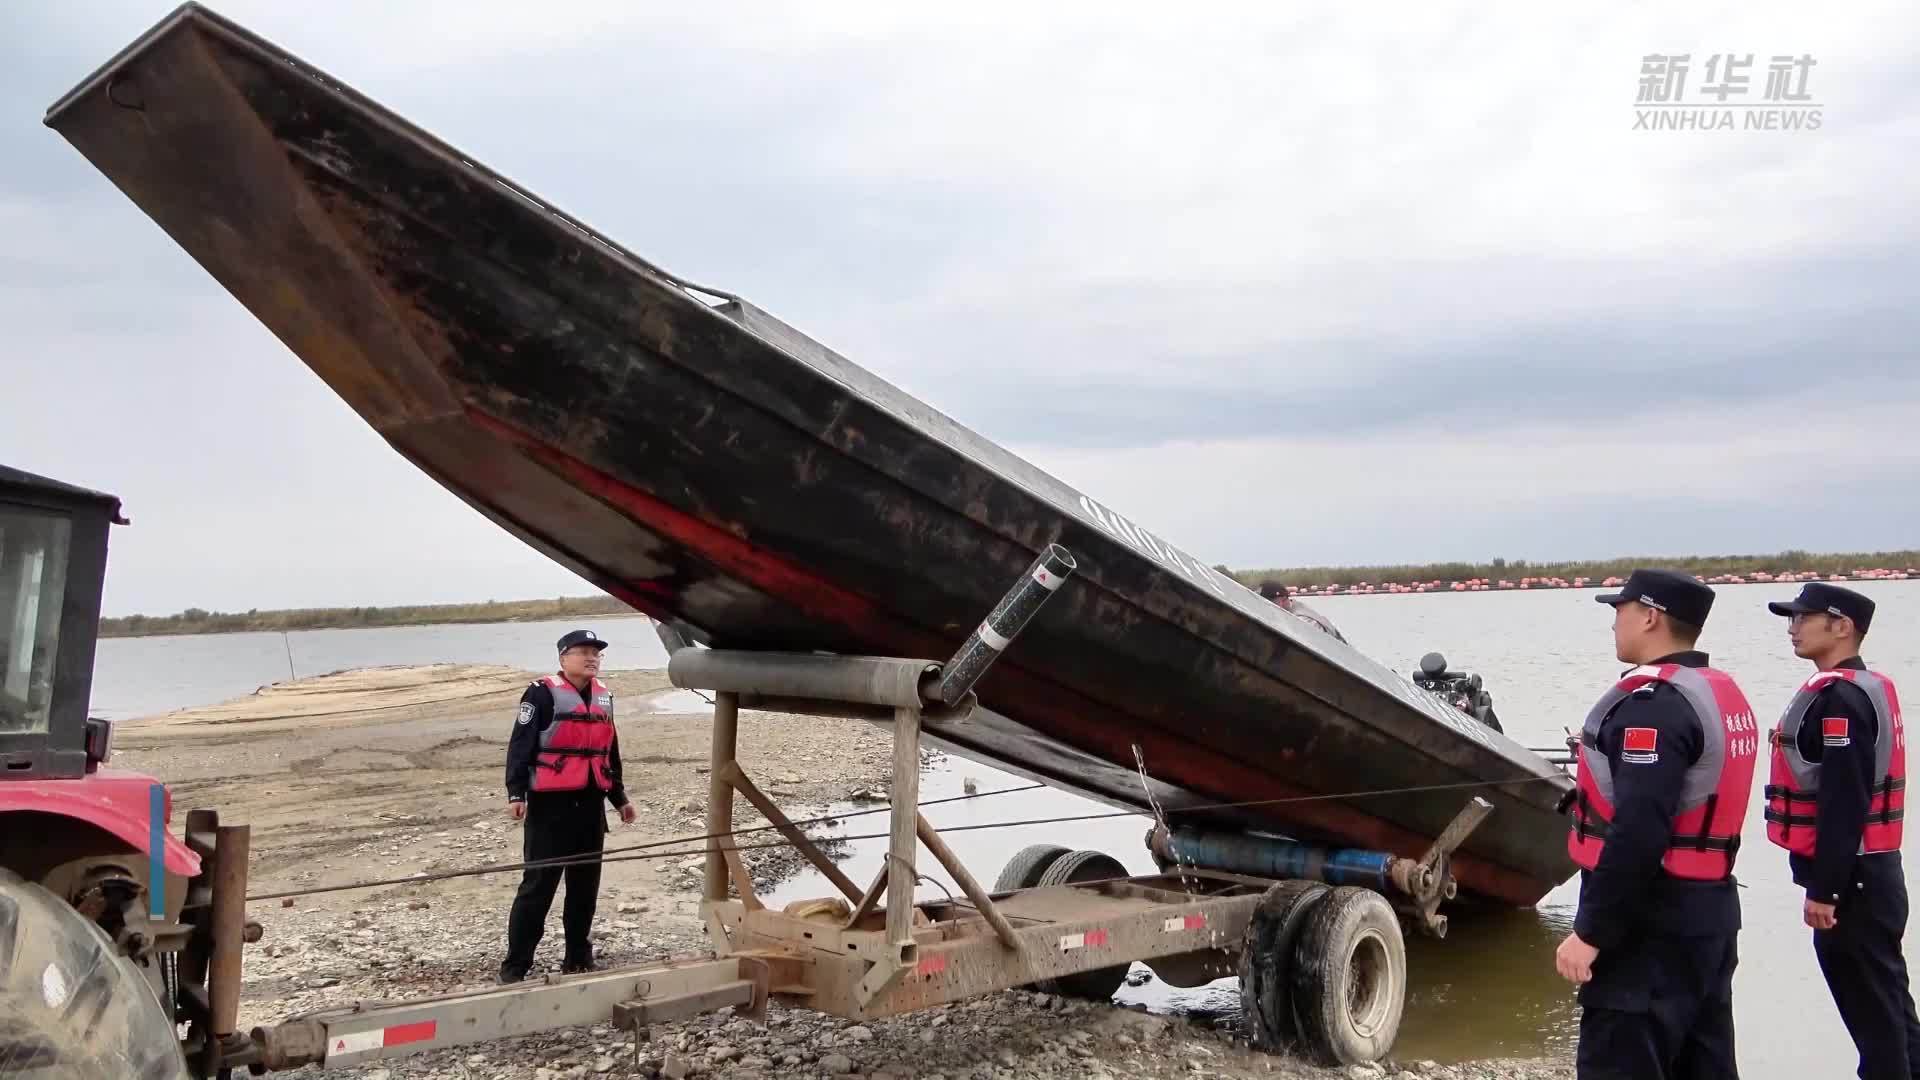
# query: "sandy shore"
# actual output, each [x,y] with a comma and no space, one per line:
[392,772]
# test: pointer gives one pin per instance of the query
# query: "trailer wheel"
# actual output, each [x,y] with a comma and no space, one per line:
[1350,977]
[1072,868]
[1266,962]
[74,1006]
[1024,869]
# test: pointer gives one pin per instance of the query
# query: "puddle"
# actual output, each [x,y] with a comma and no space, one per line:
[672,701]
[1488,989]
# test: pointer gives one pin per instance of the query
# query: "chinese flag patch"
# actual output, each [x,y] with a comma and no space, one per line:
[1641,745]
[1833,731]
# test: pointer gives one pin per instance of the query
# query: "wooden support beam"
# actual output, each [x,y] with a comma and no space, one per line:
[742,881]
[726,730]
[940,850]
[870,897]
[902,844]
[737,777]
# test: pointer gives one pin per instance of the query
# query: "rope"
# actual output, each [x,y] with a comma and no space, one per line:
[621,854]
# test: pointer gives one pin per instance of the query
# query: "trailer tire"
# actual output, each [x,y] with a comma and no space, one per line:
[1073,868]
[71,1006]
[1266,963]
[1024,870]
[1350,977]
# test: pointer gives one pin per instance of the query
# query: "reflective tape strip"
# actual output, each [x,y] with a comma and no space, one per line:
[361,1042]
[1181,923]
[1088,940]
[1046,579]
[993,640]
[931,965]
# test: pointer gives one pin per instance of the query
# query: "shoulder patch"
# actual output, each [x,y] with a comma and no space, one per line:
[1640,745]
[1833,731]
[526,713]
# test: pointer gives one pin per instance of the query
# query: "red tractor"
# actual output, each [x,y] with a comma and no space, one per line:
[111,937]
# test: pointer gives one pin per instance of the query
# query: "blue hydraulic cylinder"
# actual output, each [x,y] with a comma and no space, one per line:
[1264,856]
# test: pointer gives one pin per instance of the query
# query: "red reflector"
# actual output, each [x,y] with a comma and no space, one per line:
[1096,937]
[411,1033]
[1196,922]
[932,965]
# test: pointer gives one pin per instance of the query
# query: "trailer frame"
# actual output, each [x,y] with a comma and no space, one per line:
[869,952]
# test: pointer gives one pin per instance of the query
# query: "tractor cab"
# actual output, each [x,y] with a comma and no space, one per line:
[53,559]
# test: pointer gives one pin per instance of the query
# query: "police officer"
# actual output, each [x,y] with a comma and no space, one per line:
[1835,802]
[1665,768]
[562,760]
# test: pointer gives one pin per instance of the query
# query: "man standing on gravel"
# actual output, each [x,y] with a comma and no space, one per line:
[1665,771]
[563,758]
[1836,803]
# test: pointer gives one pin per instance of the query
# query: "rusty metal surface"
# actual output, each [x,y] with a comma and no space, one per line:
[958,956]
[229,926]
[748,483]
[349,1037]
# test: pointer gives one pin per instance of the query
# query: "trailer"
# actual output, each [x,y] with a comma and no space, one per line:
[1321,961]
[121,943]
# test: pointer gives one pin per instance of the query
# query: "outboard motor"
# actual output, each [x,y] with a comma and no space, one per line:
[1462,691]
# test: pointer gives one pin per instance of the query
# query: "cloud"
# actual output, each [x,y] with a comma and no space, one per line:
[1309,247]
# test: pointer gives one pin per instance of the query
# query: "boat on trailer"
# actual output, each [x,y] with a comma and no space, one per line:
[745,485]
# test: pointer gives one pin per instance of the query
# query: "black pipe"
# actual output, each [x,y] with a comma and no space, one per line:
[1008,618]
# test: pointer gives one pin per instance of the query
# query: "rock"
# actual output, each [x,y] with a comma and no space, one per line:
[378,1074]
[721,1052]
[857,1034]
[837,1064]
[1365,1072]
[602,1064]
[1006,1056]
[675,1067]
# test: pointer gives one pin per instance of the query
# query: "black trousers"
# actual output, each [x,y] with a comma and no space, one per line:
[1660,1008]
[1867,974]
[558,825]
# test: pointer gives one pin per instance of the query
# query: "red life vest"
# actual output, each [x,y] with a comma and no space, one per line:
[1793,794]
[576,747]
[1716,788]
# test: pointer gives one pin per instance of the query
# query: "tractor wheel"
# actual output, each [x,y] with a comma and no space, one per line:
[71,1006]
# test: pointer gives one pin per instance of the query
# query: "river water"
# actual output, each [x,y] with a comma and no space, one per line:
[1488,989]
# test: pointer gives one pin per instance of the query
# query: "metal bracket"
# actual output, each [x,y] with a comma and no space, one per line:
[1435,877]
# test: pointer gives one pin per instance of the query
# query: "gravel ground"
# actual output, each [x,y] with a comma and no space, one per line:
[396,772]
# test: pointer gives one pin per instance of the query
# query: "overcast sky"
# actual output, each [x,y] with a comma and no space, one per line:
[1412,276]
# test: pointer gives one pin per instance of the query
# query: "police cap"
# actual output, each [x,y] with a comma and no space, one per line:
[581,637]
[1681,596]
[1818,596]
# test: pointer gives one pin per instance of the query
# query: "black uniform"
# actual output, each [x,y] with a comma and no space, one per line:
[1660,1003]
[1860,956]
[559,825]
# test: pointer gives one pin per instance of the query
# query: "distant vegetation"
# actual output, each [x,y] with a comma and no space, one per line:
[1786,562]
[197,621]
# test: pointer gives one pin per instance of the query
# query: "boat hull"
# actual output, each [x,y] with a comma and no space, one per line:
[711,466]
